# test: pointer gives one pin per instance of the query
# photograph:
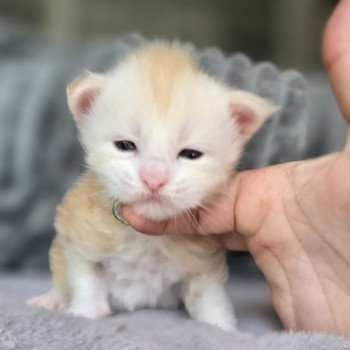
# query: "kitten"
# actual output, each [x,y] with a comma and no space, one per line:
[163,136]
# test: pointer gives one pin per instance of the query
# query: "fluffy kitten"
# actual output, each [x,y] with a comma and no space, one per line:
[163,136]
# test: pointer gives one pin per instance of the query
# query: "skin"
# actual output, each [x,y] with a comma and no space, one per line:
[293,218]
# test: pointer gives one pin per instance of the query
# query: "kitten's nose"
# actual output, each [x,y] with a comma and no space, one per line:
[154,175]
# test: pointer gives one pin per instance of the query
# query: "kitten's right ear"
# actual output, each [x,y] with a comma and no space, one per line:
[82,93]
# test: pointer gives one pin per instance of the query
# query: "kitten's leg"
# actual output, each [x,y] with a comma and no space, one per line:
[57,297]
[206,300]
[88,288]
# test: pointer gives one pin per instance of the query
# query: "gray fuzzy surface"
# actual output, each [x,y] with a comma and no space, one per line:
[25,328]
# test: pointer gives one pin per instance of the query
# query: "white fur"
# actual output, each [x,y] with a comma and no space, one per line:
[206,300]
[88,286]
[140,275]
[198,118]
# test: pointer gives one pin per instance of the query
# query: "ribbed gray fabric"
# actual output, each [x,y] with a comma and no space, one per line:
[283,137]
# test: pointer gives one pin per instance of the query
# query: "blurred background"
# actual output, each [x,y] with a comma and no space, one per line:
[286,32]
[45,43]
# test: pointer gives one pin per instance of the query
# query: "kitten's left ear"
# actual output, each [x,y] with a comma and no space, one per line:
[249,111]
[82,93]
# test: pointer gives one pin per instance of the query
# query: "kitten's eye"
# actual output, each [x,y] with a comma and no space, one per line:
[190,153]
[127,146]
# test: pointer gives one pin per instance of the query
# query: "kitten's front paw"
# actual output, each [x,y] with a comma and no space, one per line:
[90,311]
[225,324]
[48,301]
[215,316]
[209,303]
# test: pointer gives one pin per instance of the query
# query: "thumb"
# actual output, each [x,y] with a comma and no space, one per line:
[180,224]
[336,56]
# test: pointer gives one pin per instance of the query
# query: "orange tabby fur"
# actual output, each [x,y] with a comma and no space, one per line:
[163,66]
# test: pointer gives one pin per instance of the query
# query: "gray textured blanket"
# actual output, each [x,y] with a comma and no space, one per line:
[25,328]
[40,157]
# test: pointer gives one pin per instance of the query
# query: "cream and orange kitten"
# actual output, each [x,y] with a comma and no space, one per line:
[163,136]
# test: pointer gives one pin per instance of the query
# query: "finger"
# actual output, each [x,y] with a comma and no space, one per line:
[233,241]
[336,55]
[141,224]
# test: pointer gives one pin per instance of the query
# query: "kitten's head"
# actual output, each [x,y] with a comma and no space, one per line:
[160,134]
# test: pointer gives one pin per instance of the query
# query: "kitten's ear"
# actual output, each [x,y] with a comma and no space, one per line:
[249,111]
[82,93]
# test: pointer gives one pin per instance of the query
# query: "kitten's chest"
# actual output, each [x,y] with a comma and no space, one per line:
[140,275]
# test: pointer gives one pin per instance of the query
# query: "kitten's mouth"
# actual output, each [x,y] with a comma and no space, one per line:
[155,206]
[154,198]
[157,199]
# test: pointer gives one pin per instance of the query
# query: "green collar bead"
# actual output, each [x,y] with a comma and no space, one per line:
[117,214]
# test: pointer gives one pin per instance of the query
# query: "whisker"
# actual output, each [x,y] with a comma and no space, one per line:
[205,205]
[213,218]
[81,144]
[190,219]
[175,220]
[194,222]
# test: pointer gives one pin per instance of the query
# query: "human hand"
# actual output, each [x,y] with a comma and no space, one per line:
[293,218]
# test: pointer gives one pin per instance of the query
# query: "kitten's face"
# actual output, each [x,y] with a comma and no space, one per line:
[161,151]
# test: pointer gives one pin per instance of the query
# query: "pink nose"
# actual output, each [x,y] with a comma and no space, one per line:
[154,175]
[154,184]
